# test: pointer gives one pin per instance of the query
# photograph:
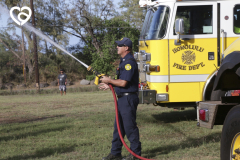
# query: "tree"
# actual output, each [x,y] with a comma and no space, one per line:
[95,23]
[106,37]
[9,64]
[132,13]
[47,14]
[85,17]
[98,28]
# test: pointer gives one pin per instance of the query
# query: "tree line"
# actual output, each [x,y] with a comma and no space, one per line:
[96,24]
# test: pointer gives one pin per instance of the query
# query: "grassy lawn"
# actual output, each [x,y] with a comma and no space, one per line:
[80,126]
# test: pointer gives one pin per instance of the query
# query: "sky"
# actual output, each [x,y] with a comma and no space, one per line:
[72,40]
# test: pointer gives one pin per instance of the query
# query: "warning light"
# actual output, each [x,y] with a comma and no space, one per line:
[154,68]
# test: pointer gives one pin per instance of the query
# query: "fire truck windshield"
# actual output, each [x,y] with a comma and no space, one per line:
[155,24]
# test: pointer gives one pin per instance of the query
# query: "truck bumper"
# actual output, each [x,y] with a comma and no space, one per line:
[211,108]
[151,96]
[147,96]
[216,113]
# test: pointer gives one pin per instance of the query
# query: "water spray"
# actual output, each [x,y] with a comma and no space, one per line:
[89,68]
[28,26]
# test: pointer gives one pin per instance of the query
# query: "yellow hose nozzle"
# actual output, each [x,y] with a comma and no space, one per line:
[98,75]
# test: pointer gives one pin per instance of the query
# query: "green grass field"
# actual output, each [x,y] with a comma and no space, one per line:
[80,125]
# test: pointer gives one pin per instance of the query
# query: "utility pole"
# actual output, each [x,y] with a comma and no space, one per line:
[24,63]
[35,49]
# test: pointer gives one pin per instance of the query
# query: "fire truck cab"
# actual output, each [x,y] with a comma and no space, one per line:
[181,47]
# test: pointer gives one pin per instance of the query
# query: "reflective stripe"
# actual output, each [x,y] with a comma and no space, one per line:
[189,78]
[178,78]
[162,79]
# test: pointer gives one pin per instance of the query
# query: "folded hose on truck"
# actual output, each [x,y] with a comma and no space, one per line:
[118,127]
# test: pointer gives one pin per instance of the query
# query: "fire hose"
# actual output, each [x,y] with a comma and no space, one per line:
[89,68]
[118,127]
[97,81]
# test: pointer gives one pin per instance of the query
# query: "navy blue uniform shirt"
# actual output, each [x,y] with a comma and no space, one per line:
[128,72]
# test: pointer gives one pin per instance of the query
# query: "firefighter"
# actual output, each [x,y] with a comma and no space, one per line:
[126,88]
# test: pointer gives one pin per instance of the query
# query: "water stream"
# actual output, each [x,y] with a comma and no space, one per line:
[29,27]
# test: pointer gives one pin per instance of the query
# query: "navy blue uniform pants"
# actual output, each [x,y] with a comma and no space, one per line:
[127,108]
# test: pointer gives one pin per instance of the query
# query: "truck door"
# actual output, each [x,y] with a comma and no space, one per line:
[229,23]
[196,57]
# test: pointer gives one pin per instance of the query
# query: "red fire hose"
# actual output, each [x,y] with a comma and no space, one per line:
[118,127]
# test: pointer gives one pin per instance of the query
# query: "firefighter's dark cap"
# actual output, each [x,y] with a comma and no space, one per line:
[125,41]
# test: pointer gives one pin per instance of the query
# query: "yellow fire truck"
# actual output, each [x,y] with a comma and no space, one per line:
[181,48]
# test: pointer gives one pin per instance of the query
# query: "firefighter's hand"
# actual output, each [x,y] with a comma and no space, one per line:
[103,86]
[105,79]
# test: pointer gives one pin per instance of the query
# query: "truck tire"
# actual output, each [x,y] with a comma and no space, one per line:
[230,139]
[216,95]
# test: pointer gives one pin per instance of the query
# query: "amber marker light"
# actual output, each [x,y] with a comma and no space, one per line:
[167,88]
[154,68]
[158,68]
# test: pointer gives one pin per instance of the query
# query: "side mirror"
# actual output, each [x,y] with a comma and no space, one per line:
[179,30]
[179,26]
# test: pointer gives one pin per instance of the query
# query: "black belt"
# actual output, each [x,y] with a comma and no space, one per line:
[126,94]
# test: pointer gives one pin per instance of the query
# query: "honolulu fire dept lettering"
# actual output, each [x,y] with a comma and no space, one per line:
[178,66]
[193,67]
[192,47]
[189,54]
[188,57]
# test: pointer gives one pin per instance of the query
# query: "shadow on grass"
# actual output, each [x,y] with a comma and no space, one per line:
[170,117]
[9,121]
[45,152]
[188,143]
[35,133]
[30,125]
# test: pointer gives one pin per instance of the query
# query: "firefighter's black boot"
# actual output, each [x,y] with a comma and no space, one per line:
[112,157]
[130,157]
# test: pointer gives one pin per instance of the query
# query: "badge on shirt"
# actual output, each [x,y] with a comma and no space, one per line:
[128,67]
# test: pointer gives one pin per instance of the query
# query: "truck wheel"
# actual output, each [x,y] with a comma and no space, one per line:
[216,95]
[230,140]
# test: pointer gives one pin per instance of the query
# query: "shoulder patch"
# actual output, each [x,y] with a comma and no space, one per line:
[128,67]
